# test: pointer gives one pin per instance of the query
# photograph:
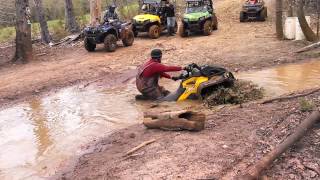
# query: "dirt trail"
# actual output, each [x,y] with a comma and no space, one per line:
[238,46]
[234,137]
[228,144]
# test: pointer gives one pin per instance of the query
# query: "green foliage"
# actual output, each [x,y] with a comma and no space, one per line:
[7,33]
[240,92]
[129,11]
[306,105]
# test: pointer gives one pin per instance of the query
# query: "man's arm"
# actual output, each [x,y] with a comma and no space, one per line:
[165,75]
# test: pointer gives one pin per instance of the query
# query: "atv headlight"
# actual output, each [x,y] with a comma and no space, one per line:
[201,18]
[186,19]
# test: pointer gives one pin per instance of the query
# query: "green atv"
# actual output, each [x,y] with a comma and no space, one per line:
[199,17]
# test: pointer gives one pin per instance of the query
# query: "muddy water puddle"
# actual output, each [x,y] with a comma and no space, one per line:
[40,135]
[286,78]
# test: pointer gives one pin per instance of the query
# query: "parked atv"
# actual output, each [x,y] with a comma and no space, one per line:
[153,21]
[254,9]
[108,33]
[199,17]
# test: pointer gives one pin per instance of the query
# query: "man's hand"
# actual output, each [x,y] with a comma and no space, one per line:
[175,78]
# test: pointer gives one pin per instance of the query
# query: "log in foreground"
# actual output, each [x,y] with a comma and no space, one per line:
[179,120]
[254,171]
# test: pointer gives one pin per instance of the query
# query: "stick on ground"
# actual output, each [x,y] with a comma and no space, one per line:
[140,146]
[253,172]
[290,97]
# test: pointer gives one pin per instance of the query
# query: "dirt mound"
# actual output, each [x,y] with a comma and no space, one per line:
[241,92]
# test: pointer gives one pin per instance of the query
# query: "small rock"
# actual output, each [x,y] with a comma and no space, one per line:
[225,146]
[132,135]
[292,176]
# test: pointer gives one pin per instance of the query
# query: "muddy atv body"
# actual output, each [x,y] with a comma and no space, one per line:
[198,82]
[153,21]
[199,17]
[108,34]
[253,11]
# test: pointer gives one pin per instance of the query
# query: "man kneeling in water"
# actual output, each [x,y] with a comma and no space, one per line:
[149,74]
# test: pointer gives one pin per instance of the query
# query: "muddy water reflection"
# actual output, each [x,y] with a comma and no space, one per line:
[284,79]
[38,136]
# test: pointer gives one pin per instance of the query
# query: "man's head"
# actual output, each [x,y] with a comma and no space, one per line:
[156,54]
[111,8]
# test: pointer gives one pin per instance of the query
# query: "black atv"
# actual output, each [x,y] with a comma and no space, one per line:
[255,10]
[108,33]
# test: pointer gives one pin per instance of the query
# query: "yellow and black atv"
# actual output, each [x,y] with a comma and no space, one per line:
[200,81]
[153,20]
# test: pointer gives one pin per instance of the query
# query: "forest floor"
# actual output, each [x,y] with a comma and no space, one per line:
[227,144]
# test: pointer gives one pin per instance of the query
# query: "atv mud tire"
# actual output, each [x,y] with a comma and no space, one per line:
[90,47]
[182,31]
[262,14]
[207,28]
[129,39]
[110,42]
[243,16]
[154,32]
[214,23]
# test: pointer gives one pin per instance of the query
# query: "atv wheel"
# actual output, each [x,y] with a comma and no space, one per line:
[214,22]
[128,40]
[135,33]
[207,28]
[242,16]
[154,31]
[182,31]
[110,42]
[262,14]
[90,47]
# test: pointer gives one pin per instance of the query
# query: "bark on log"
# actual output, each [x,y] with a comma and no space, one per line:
[290,97]
[254,172]
[308,48]
[279,23]
[71,23]
[307,31]
[45,35]
[23,32]
[180,120]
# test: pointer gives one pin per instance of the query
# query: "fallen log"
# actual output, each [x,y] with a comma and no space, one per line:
[178,120]
[68,39]
[290,97]
[254,171]
[308,48]
[140,146]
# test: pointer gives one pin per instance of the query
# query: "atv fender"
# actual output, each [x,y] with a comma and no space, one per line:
[110,31]
[227,79]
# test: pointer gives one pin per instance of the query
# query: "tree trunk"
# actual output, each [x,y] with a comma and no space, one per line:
[71,23]
[279,24]
[95,12]
[307,31]
[45,35]
[23,32]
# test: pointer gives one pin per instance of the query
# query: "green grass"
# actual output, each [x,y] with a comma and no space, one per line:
[56,28]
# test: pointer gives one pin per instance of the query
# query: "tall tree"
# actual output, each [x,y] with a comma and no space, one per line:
[307,31]
[279,23]
[95,12]
[23,32]
[71,23]
[45,35]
